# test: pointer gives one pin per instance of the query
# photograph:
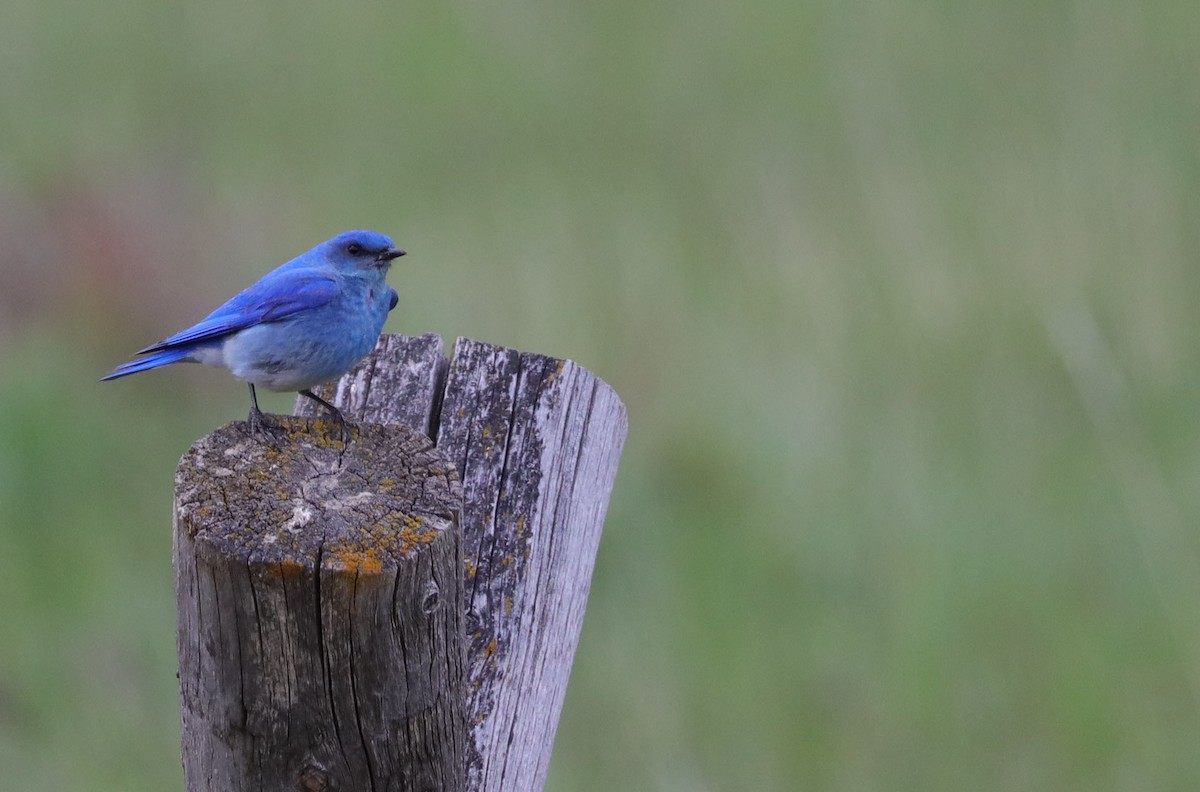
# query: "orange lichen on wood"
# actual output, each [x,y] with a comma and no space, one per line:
[414,532]
[355,559]
[288,567]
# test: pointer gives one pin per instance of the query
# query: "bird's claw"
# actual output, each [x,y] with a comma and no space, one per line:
[343,429]
[334,414]
[261,424]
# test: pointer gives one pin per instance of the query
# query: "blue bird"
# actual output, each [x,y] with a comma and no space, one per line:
[305,322]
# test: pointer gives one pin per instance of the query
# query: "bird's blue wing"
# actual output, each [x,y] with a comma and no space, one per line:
[278,294]
[393,298]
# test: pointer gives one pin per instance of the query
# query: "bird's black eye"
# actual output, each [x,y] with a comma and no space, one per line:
[354,248]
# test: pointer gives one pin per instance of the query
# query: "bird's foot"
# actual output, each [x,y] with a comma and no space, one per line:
[261,424]
[334,413]
[343,428]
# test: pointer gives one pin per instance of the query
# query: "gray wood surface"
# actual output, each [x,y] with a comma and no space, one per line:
[319,595]
[399,383]
[535,442]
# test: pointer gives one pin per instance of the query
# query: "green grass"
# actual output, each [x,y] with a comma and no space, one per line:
[901,299]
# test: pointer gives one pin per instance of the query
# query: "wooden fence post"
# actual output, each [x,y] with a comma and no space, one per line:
[325,595]
[319,611]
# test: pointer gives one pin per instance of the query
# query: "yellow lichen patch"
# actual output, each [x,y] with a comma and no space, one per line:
[557,371]
[490,649]
[288,567]
[270,454]
[413,532]
[352,559]
[508,606]
[325,432]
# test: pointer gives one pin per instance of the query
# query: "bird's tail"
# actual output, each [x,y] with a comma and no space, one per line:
[163,358]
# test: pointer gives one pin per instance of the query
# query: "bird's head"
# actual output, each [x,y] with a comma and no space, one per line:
[361,250]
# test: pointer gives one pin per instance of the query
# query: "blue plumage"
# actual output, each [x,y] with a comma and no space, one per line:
[303,323]
[161,358]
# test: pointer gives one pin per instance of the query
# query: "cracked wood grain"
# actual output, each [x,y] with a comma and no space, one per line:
[535,442]
[320,607]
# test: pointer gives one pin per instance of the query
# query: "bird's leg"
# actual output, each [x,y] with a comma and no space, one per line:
[257,420]
[334,412]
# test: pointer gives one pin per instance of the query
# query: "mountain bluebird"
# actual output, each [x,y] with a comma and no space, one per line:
[303,323]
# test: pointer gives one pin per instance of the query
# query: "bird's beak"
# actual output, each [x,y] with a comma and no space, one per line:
[389,254]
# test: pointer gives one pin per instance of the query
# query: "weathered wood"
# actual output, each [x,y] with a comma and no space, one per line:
[536,441]
[399,383]
[320,604]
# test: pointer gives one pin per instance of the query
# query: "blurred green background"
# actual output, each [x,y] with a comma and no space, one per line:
[902,299]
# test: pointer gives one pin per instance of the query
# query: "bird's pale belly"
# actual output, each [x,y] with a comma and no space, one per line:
[279,358]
